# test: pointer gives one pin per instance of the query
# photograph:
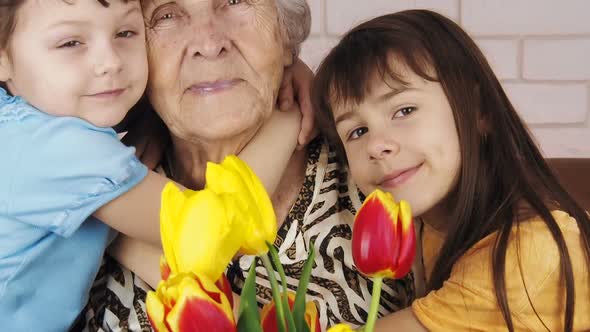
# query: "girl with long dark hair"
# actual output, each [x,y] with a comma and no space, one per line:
[417,111]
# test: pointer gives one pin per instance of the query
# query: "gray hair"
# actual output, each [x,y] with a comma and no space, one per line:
[295,19]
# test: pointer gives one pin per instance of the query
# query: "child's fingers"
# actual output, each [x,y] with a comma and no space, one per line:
[286,92]
[308,131]
[302,80]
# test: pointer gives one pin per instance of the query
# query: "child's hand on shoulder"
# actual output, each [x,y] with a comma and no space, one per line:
[295,94]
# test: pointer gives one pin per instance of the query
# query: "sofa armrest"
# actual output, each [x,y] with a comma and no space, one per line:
[574,175]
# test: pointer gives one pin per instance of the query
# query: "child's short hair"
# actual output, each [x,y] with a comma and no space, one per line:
[8,10]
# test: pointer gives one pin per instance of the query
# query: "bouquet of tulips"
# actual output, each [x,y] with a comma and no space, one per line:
[201,232]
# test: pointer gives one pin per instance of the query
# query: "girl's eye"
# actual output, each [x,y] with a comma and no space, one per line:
[126,34]
[357,133]
[70,44]
[404,112]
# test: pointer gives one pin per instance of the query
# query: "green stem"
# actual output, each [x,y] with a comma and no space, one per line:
[276,294]
[377,283]
[274,255]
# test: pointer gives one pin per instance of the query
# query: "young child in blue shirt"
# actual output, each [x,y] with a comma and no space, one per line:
[73,70]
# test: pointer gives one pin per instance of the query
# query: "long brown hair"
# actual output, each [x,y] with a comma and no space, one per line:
[501,167]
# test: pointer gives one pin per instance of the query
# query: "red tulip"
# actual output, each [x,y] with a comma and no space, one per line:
[268,315]
[164,268]
[225,287]
[222,283]
[383,237]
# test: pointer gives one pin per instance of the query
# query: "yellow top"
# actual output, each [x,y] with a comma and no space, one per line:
[467,300]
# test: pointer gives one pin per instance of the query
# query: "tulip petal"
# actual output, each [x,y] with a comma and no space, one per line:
[186,303]
[374,232]
[268,315]
[383,237]
[225,287]
[164,268]
[262,200]
[407,249]
[171,204]
[156,312]
[207,239]
[235,176]
[340,328]
[312,317]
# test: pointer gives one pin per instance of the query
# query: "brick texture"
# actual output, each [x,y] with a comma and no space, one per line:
[539,49]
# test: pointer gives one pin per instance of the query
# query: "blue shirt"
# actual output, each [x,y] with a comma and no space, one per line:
[54,173]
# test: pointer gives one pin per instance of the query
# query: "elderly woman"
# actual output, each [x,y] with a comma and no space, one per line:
[215,72]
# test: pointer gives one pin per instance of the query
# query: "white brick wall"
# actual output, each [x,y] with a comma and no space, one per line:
[540,50]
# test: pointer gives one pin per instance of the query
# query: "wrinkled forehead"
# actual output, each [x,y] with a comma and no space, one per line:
[150,4]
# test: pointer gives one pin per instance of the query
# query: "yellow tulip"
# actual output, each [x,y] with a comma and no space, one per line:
[186,303]
[340,328]
[233,176]
[201,231]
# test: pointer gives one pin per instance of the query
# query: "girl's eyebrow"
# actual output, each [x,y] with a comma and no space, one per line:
[344,116]
[130,11]
[383,97]
[392,93]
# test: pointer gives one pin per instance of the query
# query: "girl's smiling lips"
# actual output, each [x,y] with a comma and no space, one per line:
[399,177]
[108,93]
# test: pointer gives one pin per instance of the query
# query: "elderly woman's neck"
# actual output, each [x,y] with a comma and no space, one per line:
[188,160]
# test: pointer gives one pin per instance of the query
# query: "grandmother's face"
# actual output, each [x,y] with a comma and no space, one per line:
[215,66]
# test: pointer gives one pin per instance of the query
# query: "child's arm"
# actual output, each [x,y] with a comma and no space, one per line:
[296,91]
[402,320]
[137,212]
[269,152]
[138,256]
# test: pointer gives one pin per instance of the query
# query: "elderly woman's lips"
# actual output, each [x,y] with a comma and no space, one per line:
[214,87]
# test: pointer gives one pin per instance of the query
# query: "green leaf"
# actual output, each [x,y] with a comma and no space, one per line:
[299,307]
[249,317]
[276,293]
[274,255]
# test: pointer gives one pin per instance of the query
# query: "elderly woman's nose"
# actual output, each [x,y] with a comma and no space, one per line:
[209,38]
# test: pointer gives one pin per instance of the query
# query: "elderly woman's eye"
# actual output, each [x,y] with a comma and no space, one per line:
[234,2]
[165,16]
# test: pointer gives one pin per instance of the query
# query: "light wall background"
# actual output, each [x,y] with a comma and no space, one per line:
[539,49]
